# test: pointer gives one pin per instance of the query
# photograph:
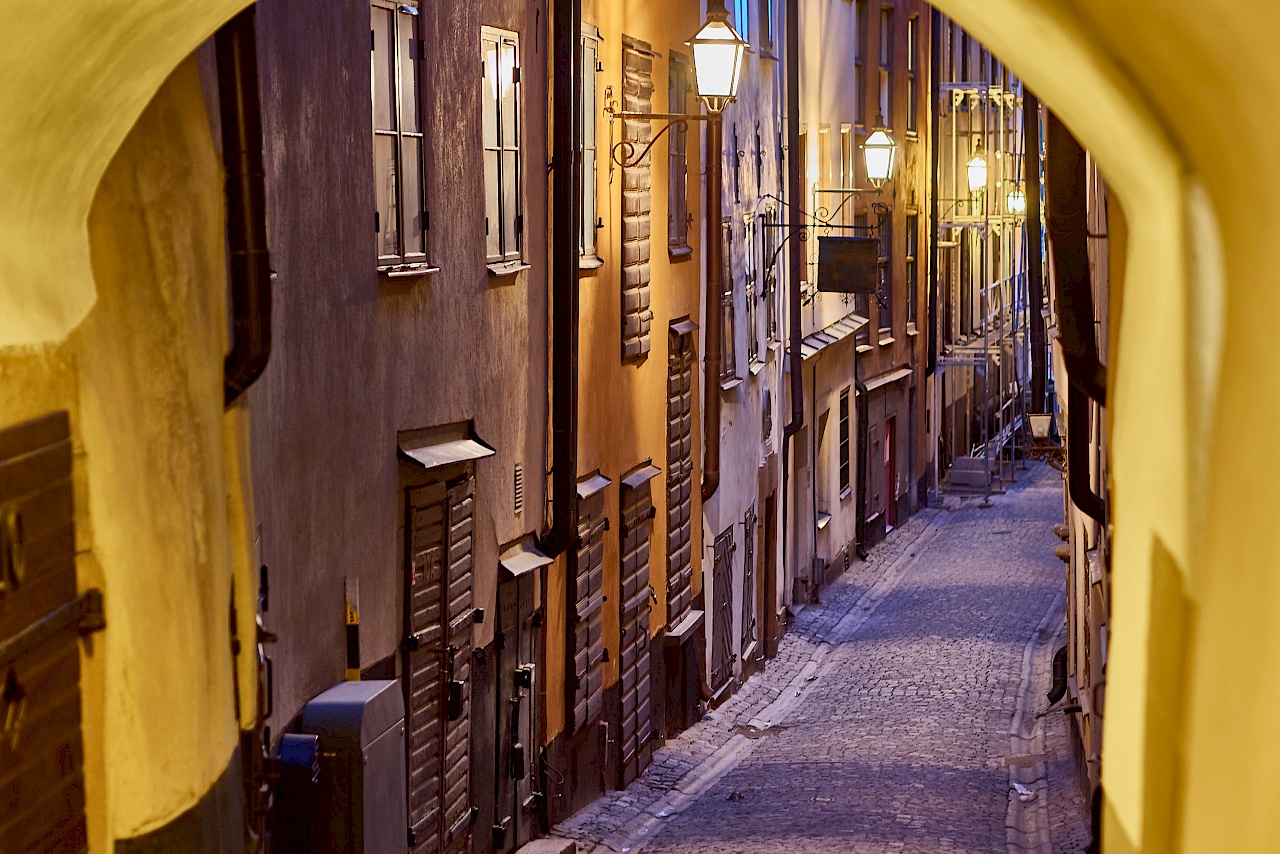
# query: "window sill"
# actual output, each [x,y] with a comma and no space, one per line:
[730,383]
[509,268]
[863,348]
[679,253]
[589,262]
[757,365]
[886,341]
[407,271]
[912,330]
[846,493]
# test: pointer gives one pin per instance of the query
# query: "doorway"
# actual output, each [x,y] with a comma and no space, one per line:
[890,475]
[516,645]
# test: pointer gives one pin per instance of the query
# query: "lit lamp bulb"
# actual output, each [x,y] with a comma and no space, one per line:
[880,152]
[717,60]
[977,171]
[1016,201]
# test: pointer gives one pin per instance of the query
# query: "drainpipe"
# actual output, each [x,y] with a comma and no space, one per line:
[566,184]
[1065,170]
[250,272]
[1035,240]
[712,342]
[934,63]
[795,258]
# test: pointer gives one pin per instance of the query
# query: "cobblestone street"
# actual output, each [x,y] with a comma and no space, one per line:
[898,715]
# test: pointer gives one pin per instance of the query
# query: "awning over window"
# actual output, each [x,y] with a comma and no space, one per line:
[885,379]
[641,476]
[435,448]
[838,331]
[523,556]
[684,327]
[592,485]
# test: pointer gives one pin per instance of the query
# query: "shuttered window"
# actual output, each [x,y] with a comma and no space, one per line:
[637,97]
[590,62]
[587,683]
[396,58]
[678,89]
[633,655]
[440,615]
[679,477]
[722,655]
[749,524]
[500,104]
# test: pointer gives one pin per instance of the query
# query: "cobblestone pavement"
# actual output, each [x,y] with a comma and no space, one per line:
[896,715]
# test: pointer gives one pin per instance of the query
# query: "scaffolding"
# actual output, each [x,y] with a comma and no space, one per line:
[983,344]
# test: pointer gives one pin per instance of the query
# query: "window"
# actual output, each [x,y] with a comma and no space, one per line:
[766,25]
[964,57]
[749,270]
[737,167]
[913,29]
[913,252]
[590,59]
[847,178]
[886,66]
[501,123]
[742,19]
[845,479]
[678,156]
[768,263]
[400,220]
[859,66]
[728,350]
[885,227]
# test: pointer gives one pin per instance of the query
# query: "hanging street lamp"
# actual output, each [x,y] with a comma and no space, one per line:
[717,66]
[978,170]
[1016,202]
[880,151]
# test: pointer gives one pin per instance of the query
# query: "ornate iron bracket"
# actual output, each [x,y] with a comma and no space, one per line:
[624,153]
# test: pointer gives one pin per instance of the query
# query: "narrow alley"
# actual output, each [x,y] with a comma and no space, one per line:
[899,713]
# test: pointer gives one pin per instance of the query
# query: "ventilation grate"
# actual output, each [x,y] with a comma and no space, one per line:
[519,487]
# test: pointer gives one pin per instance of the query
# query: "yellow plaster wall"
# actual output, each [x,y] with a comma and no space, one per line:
[160,510]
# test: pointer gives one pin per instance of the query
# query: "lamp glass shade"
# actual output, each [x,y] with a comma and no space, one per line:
[977,172]
[717,60]
[1040,424]
[879,151]
[1016,202]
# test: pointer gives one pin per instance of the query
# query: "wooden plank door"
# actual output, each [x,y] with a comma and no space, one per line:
[437,653]
[635,739]
[748,618]
[41,749]
[722,656]
[890,475]
[679,478]
[514,816]
[587,684]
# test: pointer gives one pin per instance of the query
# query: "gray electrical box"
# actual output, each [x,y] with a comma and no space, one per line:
[360,792]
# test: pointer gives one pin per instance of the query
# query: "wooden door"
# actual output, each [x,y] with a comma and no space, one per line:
[770,599]
[437,666]
[722,656]
[679,478]
[890,475]
[587,683]
[748,617]
[635,739]
[513,819]
[41,749]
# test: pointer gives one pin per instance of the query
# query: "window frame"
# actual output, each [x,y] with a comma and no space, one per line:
[913,49]
[679,69]
[845,459]
[884,293]
[862,41]
[766,26]
[768,266]
[742,18]
[507,256]
[912,254]
[885,62]
[861,304]
[588,244]
[749,231]
[400,13]
[728,338]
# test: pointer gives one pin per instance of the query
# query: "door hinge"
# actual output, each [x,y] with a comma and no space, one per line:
[84,614]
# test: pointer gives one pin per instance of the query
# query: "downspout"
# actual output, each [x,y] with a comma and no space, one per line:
[713,322]
[1066,172]
[1035,242]
[795,263]
[566,182]
[250,273]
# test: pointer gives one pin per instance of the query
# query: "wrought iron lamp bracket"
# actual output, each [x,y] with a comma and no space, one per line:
[624,153]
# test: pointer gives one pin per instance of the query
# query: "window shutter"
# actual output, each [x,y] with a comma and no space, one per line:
[588,614]
[637,87]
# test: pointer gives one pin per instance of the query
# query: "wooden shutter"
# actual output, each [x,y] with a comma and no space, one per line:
[588,612]
[722,656]
[679,478]
[637,96]
[41,750]
[637,724]
[438,665]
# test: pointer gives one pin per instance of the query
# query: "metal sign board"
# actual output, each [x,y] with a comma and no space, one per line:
[848,265]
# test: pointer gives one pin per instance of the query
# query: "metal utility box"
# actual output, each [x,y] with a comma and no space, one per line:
[360,793]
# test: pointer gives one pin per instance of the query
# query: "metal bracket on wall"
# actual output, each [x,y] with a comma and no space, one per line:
[84,614]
